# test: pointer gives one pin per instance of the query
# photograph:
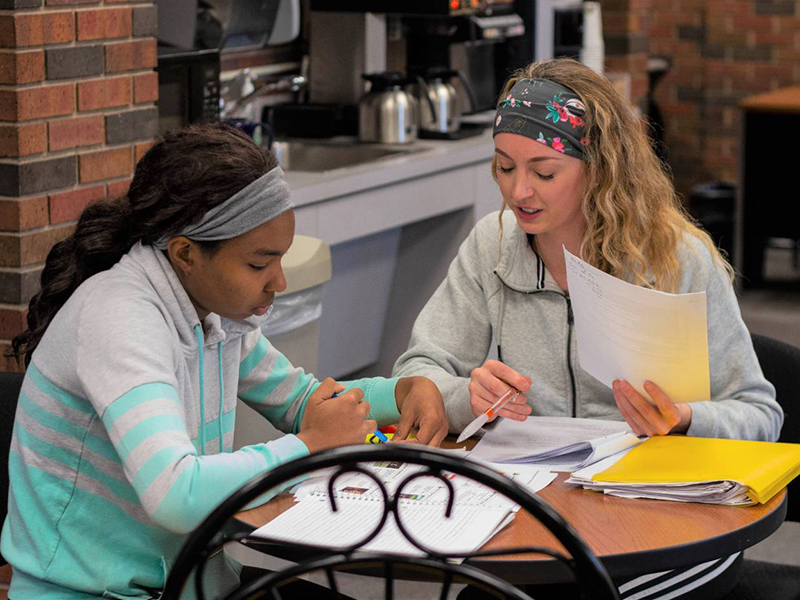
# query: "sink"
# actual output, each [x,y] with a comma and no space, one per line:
[295,155]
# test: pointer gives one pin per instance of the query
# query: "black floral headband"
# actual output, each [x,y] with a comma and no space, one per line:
[546,112]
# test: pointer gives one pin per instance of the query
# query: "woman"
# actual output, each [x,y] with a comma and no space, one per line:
[576,170]
[145,332]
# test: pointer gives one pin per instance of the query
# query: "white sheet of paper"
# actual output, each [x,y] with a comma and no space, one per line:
[629,332]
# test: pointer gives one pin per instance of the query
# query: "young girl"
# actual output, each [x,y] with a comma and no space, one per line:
[576,169]
[145,332]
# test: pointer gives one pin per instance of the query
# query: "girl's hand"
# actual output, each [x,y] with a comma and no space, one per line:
[647,419]
[421,411]
[493,379]
[330,422]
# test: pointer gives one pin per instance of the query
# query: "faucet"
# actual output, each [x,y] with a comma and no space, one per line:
[236,95]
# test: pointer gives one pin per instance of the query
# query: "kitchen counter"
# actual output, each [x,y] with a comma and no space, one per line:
[441,176]
[429,156]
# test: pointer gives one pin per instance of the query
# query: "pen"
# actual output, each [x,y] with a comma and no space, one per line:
[481,419]
[377,433]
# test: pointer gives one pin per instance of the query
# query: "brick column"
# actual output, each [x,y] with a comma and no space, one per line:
[77,109]
[627,42]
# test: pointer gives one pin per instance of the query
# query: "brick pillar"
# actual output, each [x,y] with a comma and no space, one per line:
[77,108]
[627,42]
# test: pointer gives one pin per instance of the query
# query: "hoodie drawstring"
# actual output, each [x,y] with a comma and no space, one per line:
[199,333]
[221,395]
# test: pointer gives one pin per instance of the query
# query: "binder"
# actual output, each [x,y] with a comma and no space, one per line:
[763,468]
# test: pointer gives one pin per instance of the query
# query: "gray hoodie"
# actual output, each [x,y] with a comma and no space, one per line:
[123,437]
[502,290]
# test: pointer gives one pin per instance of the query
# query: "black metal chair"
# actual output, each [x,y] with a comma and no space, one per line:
[781,365]
[10,385]
[760,580]
[592,580]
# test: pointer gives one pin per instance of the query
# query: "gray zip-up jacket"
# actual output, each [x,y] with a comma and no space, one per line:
[502,290]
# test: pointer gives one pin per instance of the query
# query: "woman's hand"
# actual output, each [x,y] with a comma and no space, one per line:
[421,411]
[493,379]
[647,419]
[330,422]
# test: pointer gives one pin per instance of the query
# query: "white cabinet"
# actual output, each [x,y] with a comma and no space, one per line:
[393,232]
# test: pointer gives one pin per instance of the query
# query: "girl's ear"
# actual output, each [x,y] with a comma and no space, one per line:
[181,251]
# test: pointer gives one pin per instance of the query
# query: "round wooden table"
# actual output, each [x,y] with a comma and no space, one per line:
[630,536]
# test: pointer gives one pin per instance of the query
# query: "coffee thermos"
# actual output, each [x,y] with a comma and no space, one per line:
[387,113]
[440,105]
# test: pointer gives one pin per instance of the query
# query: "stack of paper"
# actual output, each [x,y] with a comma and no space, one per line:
[479,512]
[689,469]
[555,443]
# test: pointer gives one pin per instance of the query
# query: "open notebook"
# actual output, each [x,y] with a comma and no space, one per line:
[690,469]
[478,512]
[556,443]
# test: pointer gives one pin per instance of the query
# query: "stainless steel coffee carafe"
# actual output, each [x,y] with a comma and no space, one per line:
[440,104]
[387,114]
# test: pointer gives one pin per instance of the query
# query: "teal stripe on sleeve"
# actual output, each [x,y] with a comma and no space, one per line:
[255,356]
[380,392]
[156,464]
[299,390]
[260,392]
[136,396]
[146,429]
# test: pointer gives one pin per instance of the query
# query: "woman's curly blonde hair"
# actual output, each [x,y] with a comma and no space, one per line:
[634,218]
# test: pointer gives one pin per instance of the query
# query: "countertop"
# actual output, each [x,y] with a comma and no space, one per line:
[431,156]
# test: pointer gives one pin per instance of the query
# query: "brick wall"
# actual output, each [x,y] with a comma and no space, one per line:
[721,52]
[77,109]
[626,43]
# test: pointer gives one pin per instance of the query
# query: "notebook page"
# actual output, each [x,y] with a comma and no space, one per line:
[312,521]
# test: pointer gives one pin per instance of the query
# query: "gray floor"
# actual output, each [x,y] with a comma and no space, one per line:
[772,313]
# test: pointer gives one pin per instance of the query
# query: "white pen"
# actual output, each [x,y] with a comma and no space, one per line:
[481,419]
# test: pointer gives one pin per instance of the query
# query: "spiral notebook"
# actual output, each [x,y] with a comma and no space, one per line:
[313,522]
[423,490]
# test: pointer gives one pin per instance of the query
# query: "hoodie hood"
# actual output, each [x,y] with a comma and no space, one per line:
[156,268]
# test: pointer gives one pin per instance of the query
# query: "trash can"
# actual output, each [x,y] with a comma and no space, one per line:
[713,204]
[293,325]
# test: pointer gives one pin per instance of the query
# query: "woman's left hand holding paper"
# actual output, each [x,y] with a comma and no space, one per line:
[660,416]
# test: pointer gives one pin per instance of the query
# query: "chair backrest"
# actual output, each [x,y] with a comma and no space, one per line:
[10,384]
[219,528]
[781,365]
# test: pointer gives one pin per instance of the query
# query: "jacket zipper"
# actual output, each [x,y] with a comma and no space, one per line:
[570,322]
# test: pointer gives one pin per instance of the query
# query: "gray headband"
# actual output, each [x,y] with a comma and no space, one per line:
[255,204]
[546,112]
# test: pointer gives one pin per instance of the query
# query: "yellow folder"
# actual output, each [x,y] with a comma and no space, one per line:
[764,467]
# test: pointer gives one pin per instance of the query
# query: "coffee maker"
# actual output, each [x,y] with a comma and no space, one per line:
[482,40]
